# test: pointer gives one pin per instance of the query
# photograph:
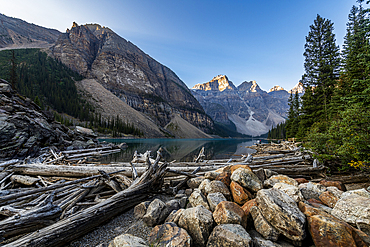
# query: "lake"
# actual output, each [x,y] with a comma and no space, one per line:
[183,150]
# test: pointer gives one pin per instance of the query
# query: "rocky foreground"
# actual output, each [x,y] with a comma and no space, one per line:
[236,207]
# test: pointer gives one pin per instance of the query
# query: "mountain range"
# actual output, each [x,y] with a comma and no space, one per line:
[252,110]
[122,80]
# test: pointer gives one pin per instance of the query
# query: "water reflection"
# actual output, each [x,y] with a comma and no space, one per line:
[182,149]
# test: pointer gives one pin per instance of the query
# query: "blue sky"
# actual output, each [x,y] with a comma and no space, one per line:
[199,39]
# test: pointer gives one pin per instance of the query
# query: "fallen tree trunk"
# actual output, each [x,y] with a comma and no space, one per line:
[69,229]
[85,171]
[64,171]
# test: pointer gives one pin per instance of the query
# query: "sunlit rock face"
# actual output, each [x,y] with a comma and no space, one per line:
[136,78]
[251,109]
[276,88]
[298,87]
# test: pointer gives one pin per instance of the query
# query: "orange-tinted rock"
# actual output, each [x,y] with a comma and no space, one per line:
[240,195]
[312,200]
[331,232]
[225,178]
[359,237]
[301,180]
[248,205]
[228,212]
[328,199]
[234,167]
[308,210]
[338,184]
[169,234]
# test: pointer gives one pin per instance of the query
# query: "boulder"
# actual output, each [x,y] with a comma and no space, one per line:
[195,182]
[173,205]
[208,186]
[214,199]
[140,209]
[235,167]
[311,190]
[197,198]
[292,191]
[326,228]
[280,179]
[262,226]
[247,179]
[240,195]
[156,213]
[360,192]
[353,208]
[260,173]
[225,178]
[182,199]
[338,184]
[228,212]
[248,205]
[169,235]
[259,241]
[331,232]
[328,199]
[202,186]
[174,216]
[229,235]
[301,180]
[127,240]
[335,191]
[282,213]
[211,175]
[198,222]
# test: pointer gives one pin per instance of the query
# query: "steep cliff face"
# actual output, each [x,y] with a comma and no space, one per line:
[133,76]
[15,33]
[252,110]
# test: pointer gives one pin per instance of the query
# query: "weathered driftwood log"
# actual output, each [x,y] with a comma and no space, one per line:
[84,171]
[67,230]
[20,195]
[200,156]
[309,171]
[96,153]
[5,164]
[26,180]
[63,170]
[69,152]
[30,220]
[182,173]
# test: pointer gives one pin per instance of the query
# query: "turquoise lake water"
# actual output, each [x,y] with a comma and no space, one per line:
[182,149]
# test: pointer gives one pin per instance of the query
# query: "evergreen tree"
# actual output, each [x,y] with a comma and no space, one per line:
[322,64]
[292,122]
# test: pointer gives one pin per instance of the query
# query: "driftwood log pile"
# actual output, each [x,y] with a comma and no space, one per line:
[59,200]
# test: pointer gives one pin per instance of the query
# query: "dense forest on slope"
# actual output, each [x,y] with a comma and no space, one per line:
[333,116]
[51,85]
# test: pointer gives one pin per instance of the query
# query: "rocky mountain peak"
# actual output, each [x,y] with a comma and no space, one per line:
[133,76]
[16,33]
[218,83]
[298,87]
[276,88]
[249,87]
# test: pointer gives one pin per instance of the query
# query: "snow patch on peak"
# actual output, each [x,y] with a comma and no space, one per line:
[276,88]
[298,87]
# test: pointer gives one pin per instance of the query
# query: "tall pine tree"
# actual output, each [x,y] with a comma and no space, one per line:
[322,65]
